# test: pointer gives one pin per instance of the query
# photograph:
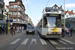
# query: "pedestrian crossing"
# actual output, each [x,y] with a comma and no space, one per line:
[67,41]
[25,41]
[53,42]
[14,42]
[42,41]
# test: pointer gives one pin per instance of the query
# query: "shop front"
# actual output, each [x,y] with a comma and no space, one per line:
[2,26]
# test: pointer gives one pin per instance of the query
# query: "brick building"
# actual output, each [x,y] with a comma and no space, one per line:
[17,10]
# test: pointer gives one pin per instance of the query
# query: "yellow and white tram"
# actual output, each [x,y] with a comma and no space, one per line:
[50,25]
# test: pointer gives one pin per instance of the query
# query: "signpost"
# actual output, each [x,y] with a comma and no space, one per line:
[9,21]
[8,25]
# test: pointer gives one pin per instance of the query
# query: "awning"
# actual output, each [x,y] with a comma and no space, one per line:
[2,22]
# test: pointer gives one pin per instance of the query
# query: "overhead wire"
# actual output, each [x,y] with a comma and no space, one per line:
[29,7]
[47,3]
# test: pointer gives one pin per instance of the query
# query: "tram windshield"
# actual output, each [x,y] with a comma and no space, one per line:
[52,22]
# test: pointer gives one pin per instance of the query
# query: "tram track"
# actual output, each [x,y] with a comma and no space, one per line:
[20,42]
[61,46]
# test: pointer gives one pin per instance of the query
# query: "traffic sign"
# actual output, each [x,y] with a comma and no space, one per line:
[11,20]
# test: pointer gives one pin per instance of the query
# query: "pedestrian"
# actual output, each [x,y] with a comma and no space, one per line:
[63,32]
[22,29]
[18,29]
[14,30]
[11,30]
[71,31]
[68,31]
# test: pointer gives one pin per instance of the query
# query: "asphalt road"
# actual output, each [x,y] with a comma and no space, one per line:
[35,42]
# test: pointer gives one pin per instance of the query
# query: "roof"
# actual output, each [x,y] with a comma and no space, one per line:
[70,12]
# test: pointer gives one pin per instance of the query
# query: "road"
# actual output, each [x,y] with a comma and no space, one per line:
[35,42]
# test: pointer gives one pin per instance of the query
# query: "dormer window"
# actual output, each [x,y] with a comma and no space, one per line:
[56,7]
[66,15]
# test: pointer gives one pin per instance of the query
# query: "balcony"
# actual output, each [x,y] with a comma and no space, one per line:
[12,15]
[19,9]
[12,9]
[1,4]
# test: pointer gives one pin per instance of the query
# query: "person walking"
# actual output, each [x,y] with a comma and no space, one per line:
[18,29]
[63,32]
[71,31]
[11,30]
[68,31]
[14,30]
[22,29]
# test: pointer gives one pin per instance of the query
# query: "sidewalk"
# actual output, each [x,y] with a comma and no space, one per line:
[4,37]
[69,38]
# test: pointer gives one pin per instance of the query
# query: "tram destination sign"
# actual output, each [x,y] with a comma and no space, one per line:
[55,15]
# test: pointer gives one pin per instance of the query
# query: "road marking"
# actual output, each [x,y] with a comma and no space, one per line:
[25,41]
[38,36]
[53,42]
[33,40]
[14,42]
[43,42]
[67,41]
[62,41]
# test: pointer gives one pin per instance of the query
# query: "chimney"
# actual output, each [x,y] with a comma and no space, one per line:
[61,6]
[71,10]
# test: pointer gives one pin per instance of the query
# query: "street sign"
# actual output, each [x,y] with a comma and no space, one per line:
[68,25]
[11,20]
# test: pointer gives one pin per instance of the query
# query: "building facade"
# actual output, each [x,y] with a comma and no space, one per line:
[69,14]
[70,18]
[17,10]
[2,22]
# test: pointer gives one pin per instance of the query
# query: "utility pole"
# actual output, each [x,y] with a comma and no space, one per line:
[64,13]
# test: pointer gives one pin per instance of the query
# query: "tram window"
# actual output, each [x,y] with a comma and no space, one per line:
[52,22]
[40,25]
[44,22]
[58,23]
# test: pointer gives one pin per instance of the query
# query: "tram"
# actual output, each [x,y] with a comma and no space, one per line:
[50,25]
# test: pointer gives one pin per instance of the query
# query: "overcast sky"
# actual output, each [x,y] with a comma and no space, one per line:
[34,8]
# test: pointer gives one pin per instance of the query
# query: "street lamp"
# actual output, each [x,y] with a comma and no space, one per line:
[7,13]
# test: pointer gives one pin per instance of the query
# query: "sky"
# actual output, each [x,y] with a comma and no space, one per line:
[34,8]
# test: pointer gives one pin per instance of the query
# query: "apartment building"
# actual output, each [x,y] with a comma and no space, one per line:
[1,9]
[2,22]
[17,10]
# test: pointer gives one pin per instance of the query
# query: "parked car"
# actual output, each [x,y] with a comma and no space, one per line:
[30,30]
